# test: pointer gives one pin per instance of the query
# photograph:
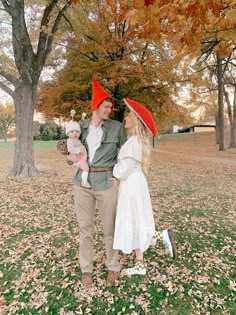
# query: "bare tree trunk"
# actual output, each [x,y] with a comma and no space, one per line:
[220,103]
[217,128]
[5,137]
[23,165]
[233,126]
[232,118]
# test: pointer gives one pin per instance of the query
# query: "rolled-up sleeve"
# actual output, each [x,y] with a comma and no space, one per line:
[124,168]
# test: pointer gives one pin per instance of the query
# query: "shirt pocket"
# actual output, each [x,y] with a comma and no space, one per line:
[110,147]
[110,140]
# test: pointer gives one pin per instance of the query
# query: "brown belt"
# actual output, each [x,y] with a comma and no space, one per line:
[100,169]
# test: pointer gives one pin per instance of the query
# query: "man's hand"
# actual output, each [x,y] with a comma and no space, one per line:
[74,157]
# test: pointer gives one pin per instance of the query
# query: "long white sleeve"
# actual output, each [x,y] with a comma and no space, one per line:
[124,168]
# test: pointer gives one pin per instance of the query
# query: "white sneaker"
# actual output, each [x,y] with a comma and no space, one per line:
[138,269]
[157,236]
[168,238]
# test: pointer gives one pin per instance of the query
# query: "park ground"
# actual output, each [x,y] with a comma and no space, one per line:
[193,190]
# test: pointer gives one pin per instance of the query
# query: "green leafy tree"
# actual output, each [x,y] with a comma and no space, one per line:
[49,131]
[36,130]
[7,120]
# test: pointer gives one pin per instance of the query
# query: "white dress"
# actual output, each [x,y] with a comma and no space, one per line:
[134,226]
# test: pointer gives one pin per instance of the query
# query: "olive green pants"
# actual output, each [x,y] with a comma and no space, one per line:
[86,201]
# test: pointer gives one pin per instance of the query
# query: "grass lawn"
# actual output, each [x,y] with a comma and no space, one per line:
[39,237]
[38,145]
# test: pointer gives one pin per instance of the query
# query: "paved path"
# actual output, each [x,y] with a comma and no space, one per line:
[198,157]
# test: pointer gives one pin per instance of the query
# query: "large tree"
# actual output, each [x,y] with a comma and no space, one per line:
[20,79]
[106,46]
[192,25]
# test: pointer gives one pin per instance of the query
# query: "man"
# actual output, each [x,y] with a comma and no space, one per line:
[102,138]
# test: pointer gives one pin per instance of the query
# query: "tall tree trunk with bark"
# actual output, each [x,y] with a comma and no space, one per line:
[23,164]
[217,128]
[233,125]
[5,137]
[232,118]
[220,103]
[233,142]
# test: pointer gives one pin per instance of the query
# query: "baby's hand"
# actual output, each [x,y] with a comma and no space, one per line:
[73,157]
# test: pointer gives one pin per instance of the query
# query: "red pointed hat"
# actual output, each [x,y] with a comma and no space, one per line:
[143,113]
[98,94]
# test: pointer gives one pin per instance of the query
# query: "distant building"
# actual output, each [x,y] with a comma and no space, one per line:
[176,129]
[198,127]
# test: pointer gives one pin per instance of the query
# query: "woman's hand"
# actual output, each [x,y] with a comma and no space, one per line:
[115,180]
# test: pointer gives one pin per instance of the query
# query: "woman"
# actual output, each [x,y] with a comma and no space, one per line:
[135,227]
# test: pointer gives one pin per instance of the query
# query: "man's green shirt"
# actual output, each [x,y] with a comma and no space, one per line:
[114,136]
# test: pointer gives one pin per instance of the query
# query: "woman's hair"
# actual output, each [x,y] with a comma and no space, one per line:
[143,136]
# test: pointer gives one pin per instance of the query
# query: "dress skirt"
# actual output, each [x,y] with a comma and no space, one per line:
[134,227]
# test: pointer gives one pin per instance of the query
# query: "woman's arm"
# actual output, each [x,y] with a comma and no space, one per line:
[124,168]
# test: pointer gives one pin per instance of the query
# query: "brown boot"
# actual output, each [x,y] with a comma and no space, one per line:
[87,279]
[112,277]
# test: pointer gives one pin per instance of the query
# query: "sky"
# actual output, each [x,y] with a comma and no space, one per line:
[5,98]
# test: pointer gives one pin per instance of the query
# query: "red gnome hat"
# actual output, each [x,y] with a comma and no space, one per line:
[98,94]
[143,114]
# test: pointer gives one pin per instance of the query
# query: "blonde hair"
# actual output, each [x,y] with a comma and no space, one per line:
[143,136]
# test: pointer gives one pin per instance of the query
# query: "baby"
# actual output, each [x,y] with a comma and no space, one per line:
[75,146]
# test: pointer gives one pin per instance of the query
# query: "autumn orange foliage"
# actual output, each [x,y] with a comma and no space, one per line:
[148,2]
[186,23]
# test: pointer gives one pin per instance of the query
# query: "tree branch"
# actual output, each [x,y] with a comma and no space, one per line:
[6,6]
[55,28]
[144,53]
[93,57]
[22,47]
[46,36]
[44,26]
[13,80]
[226,63]
[6,89]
